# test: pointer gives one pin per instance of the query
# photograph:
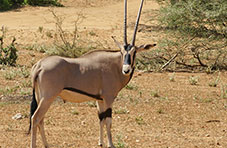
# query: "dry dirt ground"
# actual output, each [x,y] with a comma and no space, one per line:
[156,110]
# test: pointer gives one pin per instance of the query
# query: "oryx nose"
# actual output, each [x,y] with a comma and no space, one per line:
[127,71]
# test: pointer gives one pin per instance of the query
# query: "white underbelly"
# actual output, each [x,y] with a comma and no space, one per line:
[72,96]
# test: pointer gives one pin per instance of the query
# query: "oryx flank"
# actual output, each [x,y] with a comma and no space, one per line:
[97,75]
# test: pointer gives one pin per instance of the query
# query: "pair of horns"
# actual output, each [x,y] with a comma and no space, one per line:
[136,25]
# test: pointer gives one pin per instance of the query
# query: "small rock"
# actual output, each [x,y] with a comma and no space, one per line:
[83,123]
[18,116]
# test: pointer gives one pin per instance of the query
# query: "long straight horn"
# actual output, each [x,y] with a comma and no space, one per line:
[125,24]
[137,22]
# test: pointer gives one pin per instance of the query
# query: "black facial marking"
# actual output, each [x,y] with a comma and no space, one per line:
[127,60]
[98,97]
[104,115]
[128,47]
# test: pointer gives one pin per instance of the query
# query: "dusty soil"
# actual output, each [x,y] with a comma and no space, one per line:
[156,110]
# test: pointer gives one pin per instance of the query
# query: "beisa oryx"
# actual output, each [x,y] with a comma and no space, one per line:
[97,75]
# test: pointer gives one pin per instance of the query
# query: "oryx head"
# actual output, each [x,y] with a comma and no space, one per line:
[128,51]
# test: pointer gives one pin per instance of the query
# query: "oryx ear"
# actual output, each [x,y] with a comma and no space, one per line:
[145,47]
[117,43]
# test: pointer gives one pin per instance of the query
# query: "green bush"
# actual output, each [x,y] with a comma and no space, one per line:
[8,54]
[4,4]
[44,2]
[194,35]
[203,18]
[8,4]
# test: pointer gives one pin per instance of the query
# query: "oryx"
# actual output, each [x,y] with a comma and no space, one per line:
[98,75]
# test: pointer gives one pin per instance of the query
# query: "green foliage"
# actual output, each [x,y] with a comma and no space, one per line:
[121,111]
[4,4]
[160,111]
[44,2]
[120,143]
[9,90]
[172,77]
[224,91]
[203,18]
[74,112]
[12,73]
[215,81]
[8,54]
[8,4]
[194,33]
[139,120]
[193,80]
[131,87]
[155,94]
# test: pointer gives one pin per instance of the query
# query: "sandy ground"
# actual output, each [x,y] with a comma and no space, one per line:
[156,113]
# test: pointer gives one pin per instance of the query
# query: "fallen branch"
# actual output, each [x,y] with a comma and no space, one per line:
[167,63]
[209,121]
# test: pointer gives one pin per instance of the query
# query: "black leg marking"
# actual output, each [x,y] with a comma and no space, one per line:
[104,115]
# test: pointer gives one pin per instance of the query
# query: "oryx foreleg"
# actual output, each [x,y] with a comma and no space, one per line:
[105,116]
[108,128]
[101,109]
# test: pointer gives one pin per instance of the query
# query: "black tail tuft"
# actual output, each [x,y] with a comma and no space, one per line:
[33,108]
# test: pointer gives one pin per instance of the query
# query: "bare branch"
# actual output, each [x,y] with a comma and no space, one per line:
[167,63]
[196,55]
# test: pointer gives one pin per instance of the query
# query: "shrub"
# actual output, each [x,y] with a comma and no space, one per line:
[8,54]
[8,4]
[67,43]
[195,35]
[4,4]
[202,18]
[44,2]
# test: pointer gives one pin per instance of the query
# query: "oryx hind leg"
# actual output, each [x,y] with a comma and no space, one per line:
[37,120]
[42,132]
[41,124]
